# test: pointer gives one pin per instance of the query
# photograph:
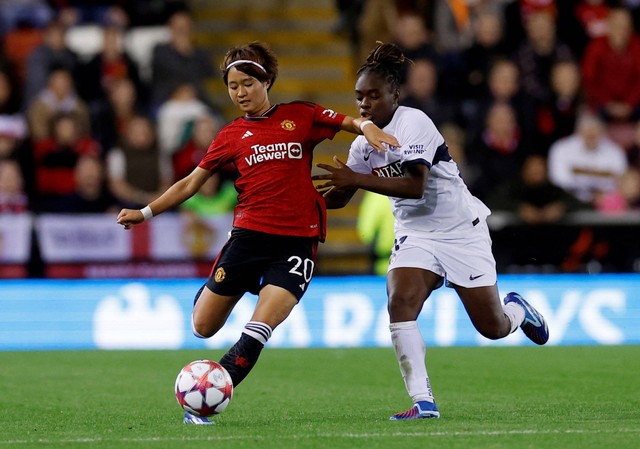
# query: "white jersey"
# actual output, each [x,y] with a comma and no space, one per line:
[447,208]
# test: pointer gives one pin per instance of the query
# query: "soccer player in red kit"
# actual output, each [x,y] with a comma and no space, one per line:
[279,218]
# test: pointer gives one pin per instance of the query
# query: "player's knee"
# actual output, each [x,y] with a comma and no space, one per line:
[403,307]
[200,329]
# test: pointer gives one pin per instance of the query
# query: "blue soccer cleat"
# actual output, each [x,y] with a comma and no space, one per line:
[198,420]
[534,326]
[420,410]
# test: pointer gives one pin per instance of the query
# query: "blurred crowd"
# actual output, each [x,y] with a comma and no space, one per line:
[103,105]
[538,100]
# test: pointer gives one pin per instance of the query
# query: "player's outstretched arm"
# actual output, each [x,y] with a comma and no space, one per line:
[172,197]
[342,178]
[335,197]
[376,137]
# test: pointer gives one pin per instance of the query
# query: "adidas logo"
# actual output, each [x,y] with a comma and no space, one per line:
[247,134]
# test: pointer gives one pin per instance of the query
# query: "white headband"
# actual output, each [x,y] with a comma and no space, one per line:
[245,61]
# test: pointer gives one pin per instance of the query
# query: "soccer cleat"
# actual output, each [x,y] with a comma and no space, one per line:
[198,420]
[534,326]
[420,410]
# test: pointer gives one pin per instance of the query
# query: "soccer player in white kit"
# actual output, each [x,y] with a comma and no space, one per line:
[440,228]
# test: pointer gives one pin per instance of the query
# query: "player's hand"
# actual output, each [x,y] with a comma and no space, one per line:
[378,139]
[129,217]
[339,177]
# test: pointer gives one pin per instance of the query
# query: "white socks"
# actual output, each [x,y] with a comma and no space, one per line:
[259,331]
[410,353]
[515,313]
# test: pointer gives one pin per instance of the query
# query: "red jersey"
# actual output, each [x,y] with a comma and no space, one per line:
[273,157]
[609,75]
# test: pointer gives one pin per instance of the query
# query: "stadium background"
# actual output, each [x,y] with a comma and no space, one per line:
[156,269]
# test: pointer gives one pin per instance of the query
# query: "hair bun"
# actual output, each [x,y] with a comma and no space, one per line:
[386,54]
[386,60]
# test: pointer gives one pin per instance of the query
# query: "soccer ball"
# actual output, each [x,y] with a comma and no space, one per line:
[204,388]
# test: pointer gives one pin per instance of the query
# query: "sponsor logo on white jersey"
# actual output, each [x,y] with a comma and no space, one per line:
[247,134]
[274,151]
[392,170]
[415,149]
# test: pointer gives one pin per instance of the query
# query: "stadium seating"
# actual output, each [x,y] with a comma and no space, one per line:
[316,65]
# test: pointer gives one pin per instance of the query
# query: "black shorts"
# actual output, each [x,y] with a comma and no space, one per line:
[250,260]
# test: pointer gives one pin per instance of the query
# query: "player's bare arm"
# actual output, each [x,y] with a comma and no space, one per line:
[376,137]
[341,177]
[172,197]
[335,198]
[338,198]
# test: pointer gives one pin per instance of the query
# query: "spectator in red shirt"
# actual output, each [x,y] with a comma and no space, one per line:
[91,194]
[56,156]
[611,70]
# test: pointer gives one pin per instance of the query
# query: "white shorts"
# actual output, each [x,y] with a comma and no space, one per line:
[467,261]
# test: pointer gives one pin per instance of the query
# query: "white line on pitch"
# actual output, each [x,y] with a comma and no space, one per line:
[323,435]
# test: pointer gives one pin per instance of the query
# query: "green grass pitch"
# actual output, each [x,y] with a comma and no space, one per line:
[523,397]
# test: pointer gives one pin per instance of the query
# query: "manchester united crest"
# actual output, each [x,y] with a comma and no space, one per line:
[289,125]
[220,274]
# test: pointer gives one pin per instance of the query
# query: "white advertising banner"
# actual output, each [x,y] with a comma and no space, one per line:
[97,237]
[81,238]
[15,237]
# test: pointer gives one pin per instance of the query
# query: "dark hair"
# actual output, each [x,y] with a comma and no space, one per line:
[386,60]
[257,52]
